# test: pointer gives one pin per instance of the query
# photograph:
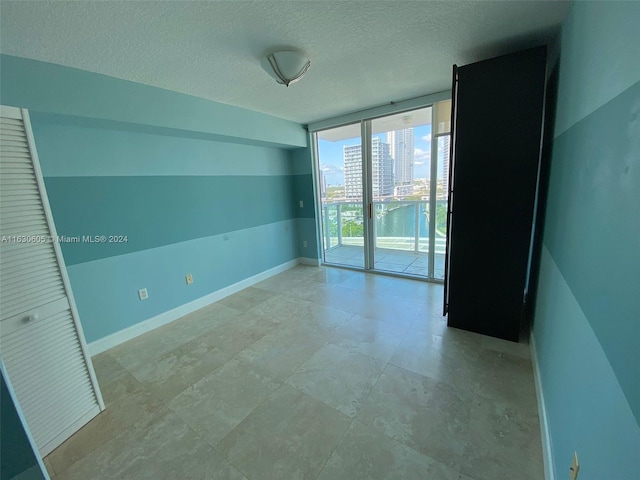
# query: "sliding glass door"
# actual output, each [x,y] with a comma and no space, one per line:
[339,153]
[383,185]
[400,159]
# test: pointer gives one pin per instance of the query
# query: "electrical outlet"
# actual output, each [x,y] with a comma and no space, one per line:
[304,244]
[189,278]
[575,467]
[142,293]
[301,204]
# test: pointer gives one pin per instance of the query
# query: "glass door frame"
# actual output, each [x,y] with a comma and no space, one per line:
[367,193]
[367,196]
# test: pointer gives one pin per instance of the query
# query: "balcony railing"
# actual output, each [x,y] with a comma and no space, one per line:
[399,225]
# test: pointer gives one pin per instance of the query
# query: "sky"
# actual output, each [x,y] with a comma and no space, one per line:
[332,163]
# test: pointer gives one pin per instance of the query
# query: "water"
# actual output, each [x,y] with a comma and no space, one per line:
[400,221]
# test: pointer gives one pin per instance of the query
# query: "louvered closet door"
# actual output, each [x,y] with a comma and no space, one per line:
[41,340]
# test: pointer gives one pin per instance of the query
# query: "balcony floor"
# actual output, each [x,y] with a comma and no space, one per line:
[387,260]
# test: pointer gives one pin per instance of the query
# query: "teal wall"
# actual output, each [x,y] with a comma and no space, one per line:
[46,87]
[306,226]
[587,321]
[195,186]
[154,211]
[16,455]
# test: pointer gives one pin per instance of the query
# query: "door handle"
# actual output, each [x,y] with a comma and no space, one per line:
[31,318]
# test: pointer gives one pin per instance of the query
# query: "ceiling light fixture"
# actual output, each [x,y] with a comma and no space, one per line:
[286,66]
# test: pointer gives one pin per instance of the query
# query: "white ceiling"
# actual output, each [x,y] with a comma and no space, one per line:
[363,53]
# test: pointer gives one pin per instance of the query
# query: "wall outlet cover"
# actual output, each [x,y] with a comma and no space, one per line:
[142,293]
[189,278]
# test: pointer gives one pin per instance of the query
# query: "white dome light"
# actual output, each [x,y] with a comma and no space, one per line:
[286,66]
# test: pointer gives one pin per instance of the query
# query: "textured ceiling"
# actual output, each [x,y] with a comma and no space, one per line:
[363,53]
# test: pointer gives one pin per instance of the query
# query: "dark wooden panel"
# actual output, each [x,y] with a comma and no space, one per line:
[498,129]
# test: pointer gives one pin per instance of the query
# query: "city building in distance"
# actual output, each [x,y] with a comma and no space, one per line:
[323,185]
[382,167]
[443,151]
[401,146]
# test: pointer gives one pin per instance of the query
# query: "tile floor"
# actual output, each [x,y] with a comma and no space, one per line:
[316,373]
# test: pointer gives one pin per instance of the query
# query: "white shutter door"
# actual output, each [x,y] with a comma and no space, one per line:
[41,340]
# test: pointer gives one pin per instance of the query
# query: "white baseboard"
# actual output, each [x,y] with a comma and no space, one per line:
[549,471]
[314,262]
[110,341]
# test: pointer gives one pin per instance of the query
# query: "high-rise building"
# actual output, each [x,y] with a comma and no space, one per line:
[443,151]
[401,146]
[352,158]
[382,166]
[382,169]
[323,185]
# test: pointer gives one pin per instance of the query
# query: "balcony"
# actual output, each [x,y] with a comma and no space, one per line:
[401,236]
